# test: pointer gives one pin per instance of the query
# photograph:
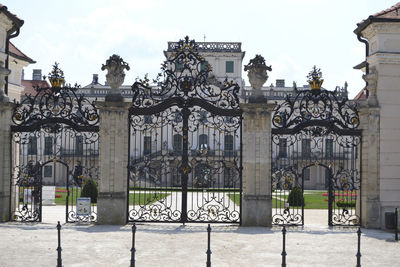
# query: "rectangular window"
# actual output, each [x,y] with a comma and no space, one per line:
[147,119]
[32,145]
[306,174]
[228,145]
[178,143]
[203,116]
[329,148]
[147,145]
[204,66]
[79,145]
[229,66]
[306,147]
[48,145]
[282,147]
[48,171]
[178,66]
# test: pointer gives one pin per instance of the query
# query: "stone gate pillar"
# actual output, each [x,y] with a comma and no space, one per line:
[6,109]
[112,207]
[257,199]
[113,154]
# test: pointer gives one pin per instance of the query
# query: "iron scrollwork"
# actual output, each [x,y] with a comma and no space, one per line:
[57,103]
[316,107]
[182,103]
[317,129]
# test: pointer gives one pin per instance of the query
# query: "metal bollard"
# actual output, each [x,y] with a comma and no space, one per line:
[396,225]
[358,255]
[208,247]
[284,244]
[133,250]
[59,260]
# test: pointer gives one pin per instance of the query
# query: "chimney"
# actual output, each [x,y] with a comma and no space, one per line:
[37,75]
[280,83]
[95,79]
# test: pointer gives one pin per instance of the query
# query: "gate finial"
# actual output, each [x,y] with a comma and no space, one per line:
[115,76]
[314,78]
[257,73]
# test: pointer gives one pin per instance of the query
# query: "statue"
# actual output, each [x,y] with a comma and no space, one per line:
[115,76]
[257,73]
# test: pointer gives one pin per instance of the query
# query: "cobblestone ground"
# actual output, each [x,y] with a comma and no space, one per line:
[177,245]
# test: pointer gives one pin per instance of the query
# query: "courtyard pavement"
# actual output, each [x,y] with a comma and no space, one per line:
[315,244]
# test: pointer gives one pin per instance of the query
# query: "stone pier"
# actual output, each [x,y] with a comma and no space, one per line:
[113,192]
[257,199]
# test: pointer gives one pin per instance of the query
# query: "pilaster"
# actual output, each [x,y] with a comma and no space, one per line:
[6,109]
[370,171]
[257,199]
[113,154]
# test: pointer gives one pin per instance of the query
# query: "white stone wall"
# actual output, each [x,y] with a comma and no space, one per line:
[384,61]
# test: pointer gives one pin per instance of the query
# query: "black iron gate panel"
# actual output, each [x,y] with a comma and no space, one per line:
[54,152]
[185,145]
[316,145]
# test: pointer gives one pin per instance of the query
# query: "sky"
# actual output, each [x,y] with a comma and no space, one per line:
[292,35]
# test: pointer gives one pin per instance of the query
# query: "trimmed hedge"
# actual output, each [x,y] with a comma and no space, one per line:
[295,197]
[90,190]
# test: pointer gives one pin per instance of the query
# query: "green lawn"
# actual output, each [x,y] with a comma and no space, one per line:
[313,200]
[140,198]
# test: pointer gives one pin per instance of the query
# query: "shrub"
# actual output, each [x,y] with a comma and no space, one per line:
[296,197]
[90,190]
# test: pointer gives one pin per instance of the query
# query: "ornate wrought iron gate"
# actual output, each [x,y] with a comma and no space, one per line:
[54,143]
[315,141]
[185,144]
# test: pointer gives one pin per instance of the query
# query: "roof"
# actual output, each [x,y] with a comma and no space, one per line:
[362,95]
[391,14]
[31,84]
[17,21]
[361,65]
[15,52]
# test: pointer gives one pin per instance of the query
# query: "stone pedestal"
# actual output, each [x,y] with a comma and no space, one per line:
[113,153]
[257,198]
[6,109]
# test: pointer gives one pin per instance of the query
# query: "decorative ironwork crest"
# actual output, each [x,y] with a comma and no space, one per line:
[183,81]
[316,107]
[56,104]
